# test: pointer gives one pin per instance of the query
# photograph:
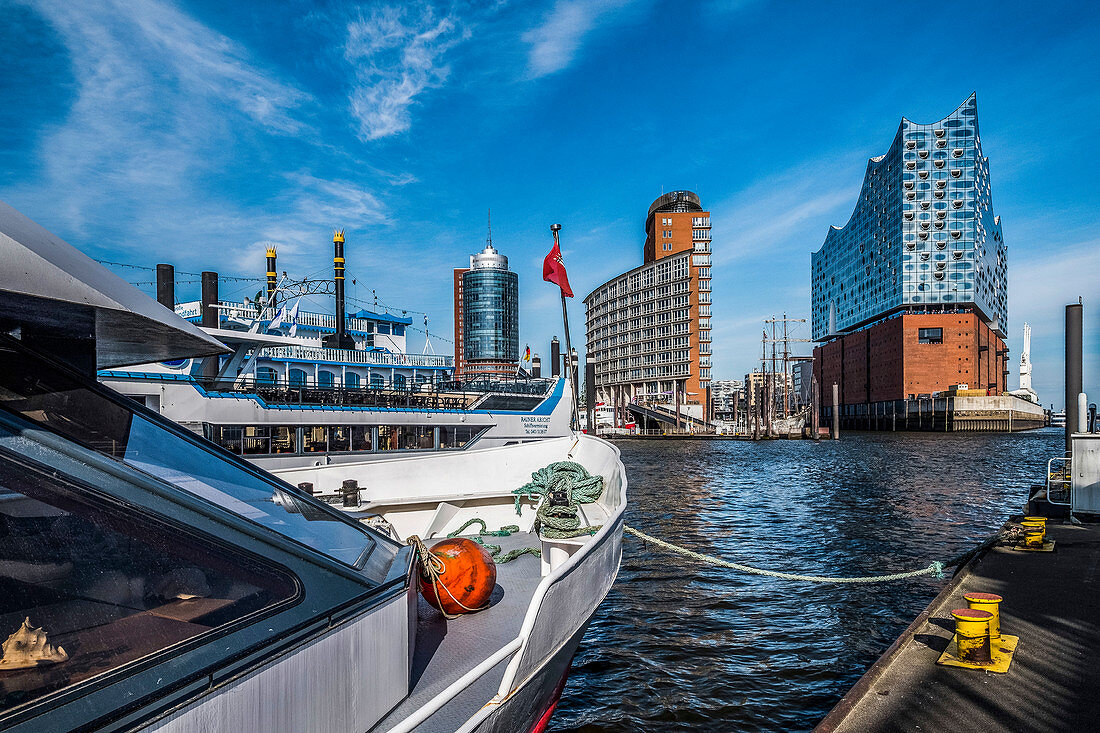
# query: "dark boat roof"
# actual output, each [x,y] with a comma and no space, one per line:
[50,288]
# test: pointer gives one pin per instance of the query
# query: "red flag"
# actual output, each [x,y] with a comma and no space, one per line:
[553,271]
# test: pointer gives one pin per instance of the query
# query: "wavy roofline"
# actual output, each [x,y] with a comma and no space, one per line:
[873,163]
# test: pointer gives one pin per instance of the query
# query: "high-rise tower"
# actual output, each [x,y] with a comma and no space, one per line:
[486,317]
[649,328]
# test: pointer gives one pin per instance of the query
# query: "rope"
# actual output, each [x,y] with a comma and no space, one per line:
[495,550]
[934,569]
[558,521]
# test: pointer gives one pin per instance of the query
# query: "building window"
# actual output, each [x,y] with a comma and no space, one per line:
[930,335]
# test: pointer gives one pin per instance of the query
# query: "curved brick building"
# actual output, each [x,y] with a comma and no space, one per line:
[649,329]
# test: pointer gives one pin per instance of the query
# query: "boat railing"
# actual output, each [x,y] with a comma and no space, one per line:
[357,356]
[429,395]
[1059,480]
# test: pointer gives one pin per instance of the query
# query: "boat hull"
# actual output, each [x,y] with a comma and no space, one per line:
[529,707]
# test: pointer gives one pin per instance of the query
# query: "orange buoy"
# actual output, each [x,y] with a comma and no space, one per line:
[460,577]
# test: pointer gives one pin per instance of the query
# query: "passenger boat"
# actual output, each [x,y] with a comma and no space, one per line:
[298,388]
[154,581]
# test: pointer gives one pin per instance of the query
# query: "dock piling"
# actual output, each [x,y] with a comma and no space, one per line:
[1073,368]
[836,411]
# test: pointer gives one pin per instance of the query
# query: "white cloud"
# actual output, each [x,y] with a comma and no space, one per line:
[161,100]
[397,53]
[790,210]
[335,202]
[557,40]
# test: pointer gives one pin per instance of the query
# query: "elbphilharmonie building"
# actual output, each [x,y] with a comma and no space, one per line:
[910,297]
[923,236]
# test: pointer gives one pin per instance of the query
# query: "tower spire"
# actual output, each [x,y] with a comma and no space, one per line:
[489,235]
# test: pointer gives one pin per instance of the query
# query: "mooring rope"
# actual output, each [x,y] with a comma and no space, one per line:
[495,550]
[555,520]
[934,569]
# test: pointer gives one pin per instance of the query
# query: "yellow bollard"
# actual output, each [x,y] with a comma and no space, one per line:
[1034,524]
[972,635]
[1035,535]
[988,602]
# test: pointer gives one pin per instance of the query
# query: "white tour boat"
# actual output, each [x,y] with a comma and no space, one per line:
[154,581]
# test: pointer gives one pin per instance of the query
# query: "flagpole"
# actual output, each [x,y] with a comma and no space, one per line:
[575,417]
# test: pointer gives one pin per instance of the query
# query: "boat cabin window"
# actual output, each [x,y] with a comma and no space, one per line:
[87,586]
[44,393]
[456,437]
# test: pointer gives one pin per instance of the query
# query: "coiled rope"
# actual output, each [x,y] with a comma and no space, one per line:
[934,569]
[494,550]
[561,521]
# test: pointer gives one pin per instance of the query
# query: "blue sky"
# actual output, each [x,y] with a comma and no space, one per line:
[198,132]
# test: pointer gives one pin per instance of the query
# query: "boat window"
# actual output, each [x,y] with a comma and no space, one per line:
[456,437]
[29,387]
[40,391]
[92,586]
[387,437]
[251,496]
[361,438]
[339,438]
[315,440]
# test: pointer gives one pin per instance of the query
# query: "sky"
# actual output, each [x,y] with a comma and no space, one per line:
[197,133]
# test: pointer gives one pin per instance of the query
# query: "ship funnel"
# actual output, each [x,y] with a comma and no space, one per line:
[340,339]
[271,281]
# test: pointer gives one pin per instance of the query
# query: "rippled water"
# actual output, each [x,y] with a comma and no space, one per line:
[679,646]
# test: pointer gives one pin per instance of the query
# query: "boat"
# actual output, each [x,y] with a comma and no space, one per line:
[298,388]
[153,581]
[1058,419]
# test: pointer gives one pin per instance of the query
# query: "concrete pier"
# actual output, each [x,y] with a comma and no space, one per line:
[945,414]
[1051,601]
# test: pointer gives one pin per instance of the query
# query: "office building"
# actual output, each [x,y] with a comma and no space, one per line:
[910,297]
[727,396]
[486,317]
[649,328]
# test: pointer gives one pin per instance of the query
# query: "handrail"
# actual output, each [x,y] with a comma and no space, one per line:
[355,356]
[1066,474]
[452,690]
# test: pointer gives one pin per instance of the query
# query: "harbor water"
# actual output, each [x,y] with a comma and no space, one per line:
[682,646]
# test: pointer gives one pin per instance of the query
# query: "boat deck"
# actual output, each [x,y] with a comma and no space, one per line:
[1051,601]
[445,650]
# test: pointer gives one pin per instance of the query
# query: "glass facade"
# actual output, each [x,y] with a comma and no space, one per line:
[490,310]
[923,233]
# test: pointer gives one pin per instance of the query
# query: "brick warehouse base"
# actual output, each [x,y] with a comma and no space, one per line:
[913,354]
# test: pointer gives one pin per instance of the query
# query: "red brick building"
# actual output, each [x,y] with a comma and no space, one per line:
[460,356]
[911,355]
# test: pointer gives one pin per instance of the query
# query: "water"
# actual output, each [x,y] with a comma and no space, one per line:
[682,646]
